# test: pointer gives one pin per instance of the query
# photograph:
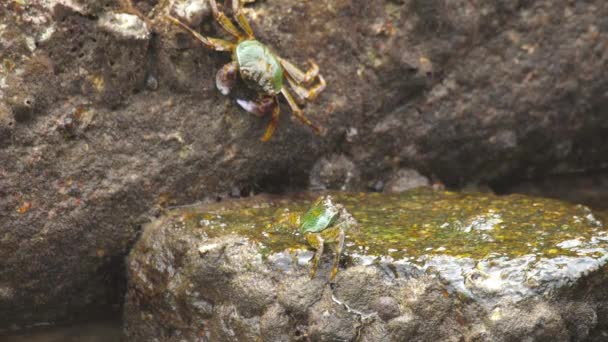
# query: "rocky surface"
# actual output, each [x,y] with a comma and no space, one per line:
[424,265]
[104,118]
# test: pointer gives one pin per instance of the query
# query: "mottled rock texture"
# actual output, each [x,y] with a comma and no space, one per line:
[102,122]
[202,273]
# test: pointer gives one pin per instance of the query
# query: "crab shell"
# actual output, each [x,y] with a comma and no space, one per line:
[322,215]
[259,68]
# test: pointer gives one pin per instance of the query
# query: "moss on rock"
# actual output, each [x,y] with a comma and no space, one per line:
[415,223]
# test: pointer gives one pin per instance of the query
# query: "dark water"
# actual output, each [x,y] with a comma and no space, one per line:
[102,331]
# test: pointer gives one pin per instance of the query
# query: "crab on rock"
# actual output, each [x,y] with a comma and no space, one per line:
[260,69]
[326,222]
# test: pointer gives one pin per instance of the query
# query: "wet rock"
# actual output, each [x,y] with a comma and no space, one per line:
[451,89]
[406,273]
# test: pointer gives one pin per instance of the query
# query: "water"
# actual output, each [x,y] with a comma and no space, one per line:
[101,331]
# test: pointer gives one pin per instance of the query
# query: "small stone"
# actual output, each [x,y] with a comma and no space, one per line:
[405,179]
[328,322]
[540,322]
[299,295]
[386,307]
[403,328]
[252,293]
[126,26]
[191,12]
[336,172]
[274,324]
[151,82]
[6,293]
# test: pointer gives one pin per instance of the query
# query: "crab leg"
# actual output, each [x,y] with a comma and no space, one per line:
[274,120]
[298,75]
[316,241]
[307,93]
[298,112]
[225,78]
[224,21]
[239,16]
[128,7]
[339,247]
[212,43]
[262,107]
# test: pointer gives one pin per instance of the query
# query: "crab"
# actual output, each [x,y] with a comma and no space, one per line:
[259,68]
[325,222]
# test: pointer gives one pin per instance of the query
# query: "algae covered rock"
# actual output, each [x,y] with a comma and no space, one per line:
[423,264]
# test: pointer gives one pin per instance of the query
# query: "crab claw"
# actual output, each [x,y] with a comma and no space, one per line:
[225,78]
[257,108]
[260,108]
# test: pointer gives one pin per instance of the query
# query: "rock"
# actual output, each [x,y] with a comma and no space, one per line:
[386,307]
[108,128]
[192,12]
[406,276]
[405,179]
[361,287]
[298,295]
[126,26]
[7,124]
[538,323]
[403,327]
[252,293]
[590,189]
[275,325]
[330,322]
[335,172]
[583,318]
[375,331]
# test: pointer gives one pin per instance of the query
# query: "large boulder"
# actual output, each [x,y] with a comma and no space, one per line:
[105,117]
[424,265]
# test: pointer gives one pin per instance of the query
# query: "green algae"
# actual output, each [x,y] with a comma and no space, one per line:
[414,223]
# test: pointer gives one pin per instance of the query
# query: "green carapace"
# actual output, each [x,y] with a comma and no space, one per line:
[325,222]
[319,217]
[260,69]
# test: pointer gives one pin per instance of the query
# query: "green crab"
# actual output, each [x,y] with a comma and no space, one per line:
[261,69]
[325,222]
